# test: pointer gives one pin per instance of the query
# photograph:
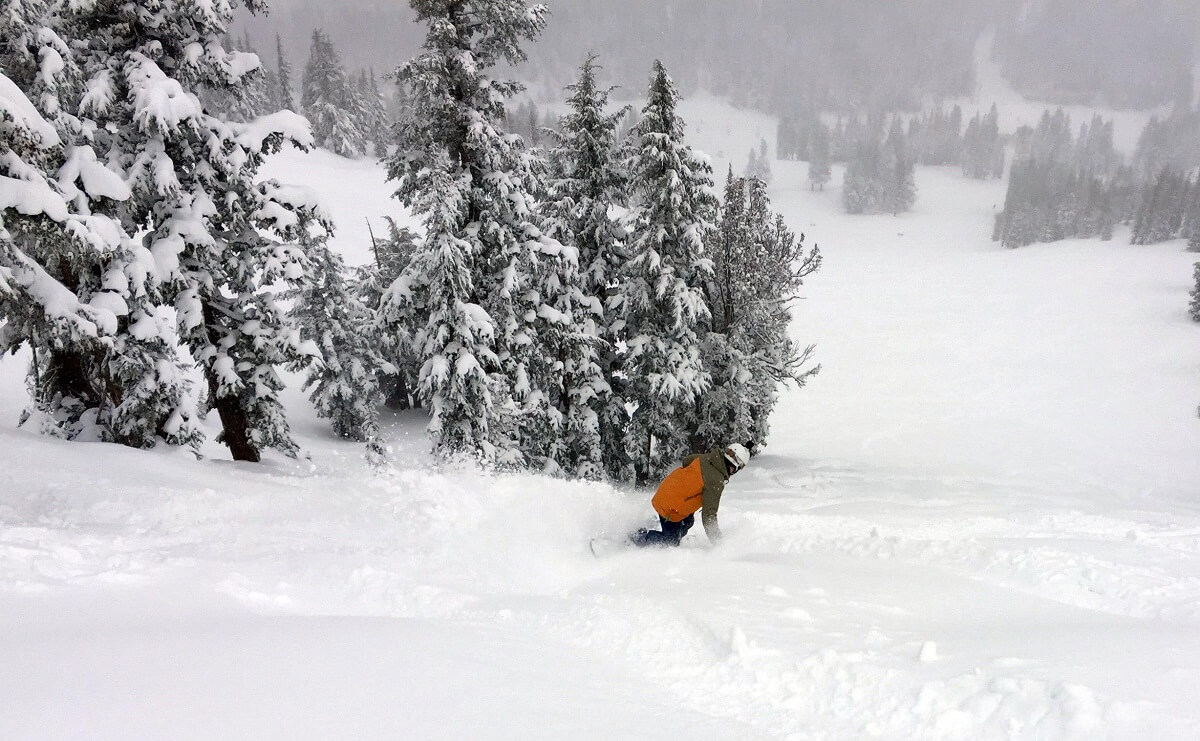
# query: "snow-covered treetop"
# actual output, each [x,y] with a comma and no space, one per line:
[588,138]
[494,28]
[674,182]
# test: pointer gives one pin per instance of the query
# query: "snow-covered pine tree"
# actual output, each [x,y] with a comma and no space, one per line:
[758,163]
[549,124]
[533,125]
[329,100]
[219,238]
[936,138]
[260,85]
[1161,213]
[841,145]
[1173,218]
[819,163]
[471,283]
[517,120]
[728,244]
[758,266]
[400,100]
[661,288]
[762,329]
[923,132]
[865,186]
[37,252]
[1049,141]
[1190,229]
[563,435]
[73,285]
[250,102]
[1150,201]
[1099,218]
[375,121]
[586,189]
[724,415]
[975,164]
[900,186]
[919,138]
[1195,305]
[43,301]
[785,138]
[1065,208]
[1019,224]
[991,136]
[434,308]
[398,377]
[1052,200]
[383,129]
[345,383]
[950,141]
[628,124]
[1094,149]
[282,99]
[858,194]
[982,148]
[1172,142]
[1123,191]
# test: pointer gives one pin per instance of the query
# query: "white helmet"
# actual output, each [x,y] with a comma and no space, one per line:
[737,456]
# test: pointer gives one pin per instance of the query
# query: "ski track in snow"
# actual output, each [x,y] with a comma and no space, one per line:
[932,546]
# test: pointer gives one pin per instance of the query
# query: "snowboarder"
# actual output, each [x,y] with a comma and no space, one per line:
[696,485]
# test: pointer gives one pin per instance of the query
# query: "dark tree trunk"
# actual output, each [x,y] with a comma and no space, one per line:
[642,473]
[235,424]
[66,374]
[696,441]
[397,397]
[67,368]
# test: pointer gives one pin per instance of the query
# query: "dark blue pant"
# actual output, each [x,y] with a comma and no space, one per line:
[670,535]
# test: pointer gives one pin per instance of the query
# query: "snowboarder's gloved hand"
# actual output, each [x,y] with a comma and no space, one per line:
[712,529]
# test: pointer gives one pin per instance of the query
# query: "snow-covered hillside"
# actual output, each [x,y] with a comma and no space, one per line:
[979,521]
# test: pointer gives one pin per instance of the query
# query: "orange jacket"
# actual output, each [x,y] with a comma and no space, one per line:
[698,483]
[680,493]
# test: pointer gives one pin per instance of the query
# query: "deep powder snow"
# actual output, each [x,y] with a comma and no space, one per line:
[977,522]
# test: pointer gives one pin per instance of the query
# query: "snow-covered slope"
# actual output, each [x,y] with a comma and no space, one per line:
[1073,362]
[977,522]
[355,193]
